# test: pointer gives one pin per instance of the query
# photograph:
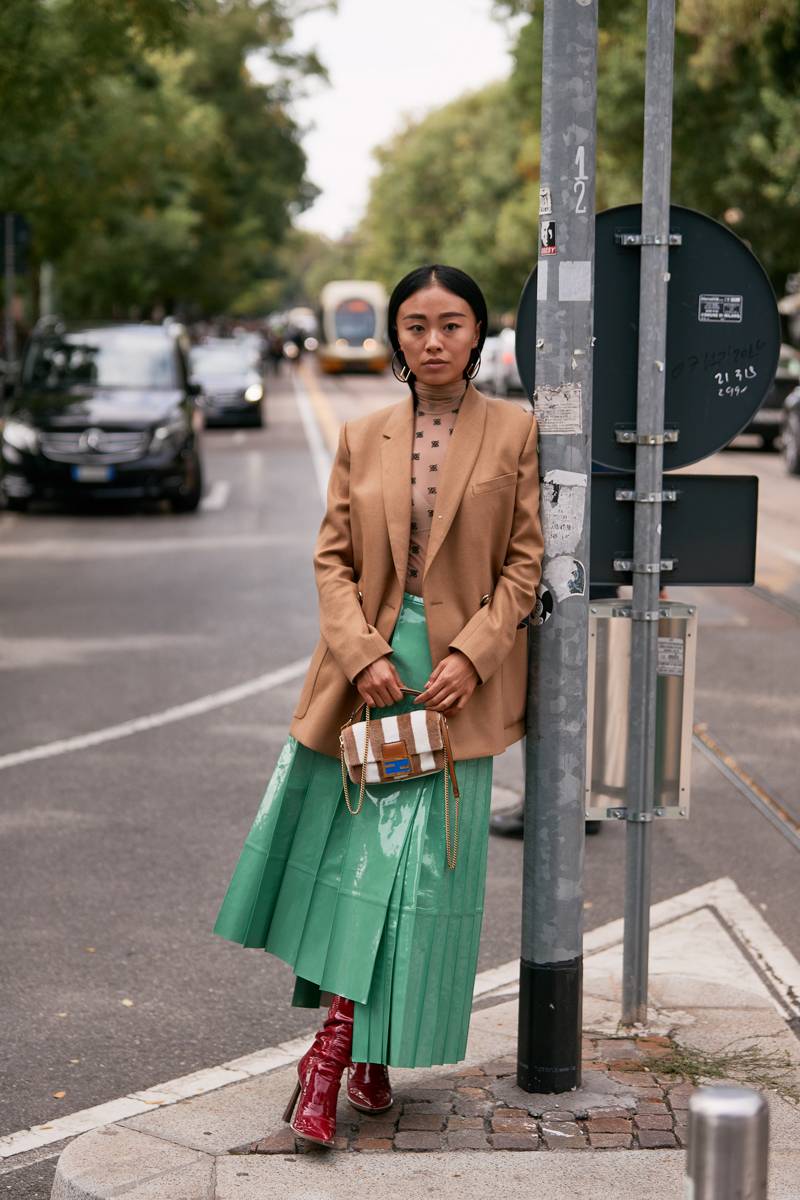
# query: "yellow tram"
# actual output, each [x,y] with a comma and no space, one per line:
[353,326]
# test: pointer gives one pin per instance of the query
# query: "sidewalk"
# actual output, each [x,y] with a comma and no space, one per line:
[470,1128]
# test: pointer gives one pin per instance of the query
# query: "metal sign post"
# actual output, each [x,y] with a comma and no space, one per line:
[646,566]
[686,343]
[549,1046]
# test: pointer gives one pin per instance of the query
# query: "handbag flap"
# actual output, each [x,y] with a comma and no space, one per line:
[421,731]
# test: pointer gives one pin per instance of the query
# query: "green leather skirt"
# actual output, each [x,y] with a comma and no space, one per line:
[365,906]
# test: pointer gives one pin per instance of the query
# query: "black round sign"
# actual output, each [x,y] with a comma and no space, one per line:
[723,336]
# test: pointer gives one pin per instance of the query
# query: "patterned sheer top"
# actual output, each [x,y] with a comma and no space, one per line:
[435,417]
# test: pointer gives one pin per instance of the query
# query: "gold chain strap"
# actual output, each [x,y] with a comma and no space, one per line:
[345,781]
[451,849]
[450,840]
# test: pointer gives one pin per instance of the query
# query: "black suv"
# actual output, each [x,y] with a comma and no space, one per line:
[103,410]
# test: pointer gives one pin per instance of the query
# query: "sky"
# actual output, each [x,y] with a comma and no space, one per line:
[386,59]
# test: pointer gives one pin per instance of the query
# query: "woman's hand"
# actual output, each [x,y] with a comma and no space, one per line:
[379,684]
[451,684]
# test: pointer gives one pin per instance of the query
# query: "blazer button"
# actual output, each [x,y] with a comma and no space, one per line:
[485,600]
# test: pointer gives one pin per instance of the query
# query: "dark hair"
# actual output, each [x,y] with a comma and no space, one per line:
[455,281]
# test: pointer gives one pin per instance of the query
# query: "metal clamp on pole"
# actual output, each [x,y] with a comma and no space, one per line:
[728,1144]
[645,497]
[647,568]
[647,239]
[632,438]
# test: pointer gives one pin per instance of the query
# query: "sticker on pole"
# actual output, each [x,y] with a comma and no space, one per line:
[562,509]
[547,237]
[720,308]
[566,576]
[670,656]
[559,409]
[543,608]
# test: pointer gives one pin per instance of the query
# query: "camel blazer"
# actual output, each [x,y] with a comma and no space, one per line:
[479,583]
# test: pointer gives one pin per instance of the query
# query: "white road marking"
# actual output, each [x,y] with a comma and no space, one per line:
[217,498]
[239,437]
[74,549]
[179,712]
[319,452]
[774,960]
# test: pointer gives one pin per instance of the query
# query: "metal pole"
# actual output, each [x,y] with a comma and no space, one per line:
[728,1144]
[10,333]
[551,966]
[647,519]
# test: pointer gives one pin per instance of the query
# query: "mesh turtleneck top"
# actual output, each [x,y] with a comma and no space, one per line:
[435,417]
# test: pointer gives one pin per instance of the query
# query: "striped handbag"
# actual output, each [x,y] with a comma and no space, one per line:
[404,746]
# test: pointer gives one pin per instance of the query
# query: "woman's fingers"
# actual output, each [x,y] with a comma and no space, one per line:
[445,683]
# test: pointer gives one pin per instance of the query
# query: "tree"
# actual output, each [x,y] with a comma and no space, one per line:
[155,171]
[735,113]
[441,192]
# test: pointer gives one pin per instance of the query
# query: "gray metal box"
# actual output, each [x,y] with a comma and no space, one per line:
[608,698]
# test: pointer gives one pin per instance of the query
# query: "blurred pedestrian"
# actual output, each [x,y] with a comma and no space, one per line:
[426,563]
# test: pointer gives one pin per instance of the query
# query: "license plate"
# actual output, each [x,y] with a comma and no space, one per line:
[93,474]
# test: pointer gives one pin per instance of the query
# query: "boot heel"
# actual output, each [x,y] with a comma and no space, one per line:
[287,1116]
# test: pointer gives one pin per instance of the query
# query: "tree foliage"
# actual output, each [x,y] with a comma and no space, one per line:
[462,184]
[154,169]
[441,193]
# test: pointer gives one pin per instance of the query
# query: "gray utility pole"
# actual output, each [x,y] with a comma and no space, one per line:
[551,967]
[653,285]
[9,330]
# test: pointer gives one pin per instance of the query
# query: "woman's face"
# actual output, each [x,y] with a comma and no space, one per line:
[437,331]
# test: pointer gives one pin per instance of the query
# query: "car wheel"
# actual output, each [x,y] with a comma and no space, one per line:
[769,440]
[17,503]
[791,444]
[191,493]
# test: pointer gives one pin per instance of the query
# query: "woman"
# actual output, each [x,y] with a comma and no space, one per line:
[426,564]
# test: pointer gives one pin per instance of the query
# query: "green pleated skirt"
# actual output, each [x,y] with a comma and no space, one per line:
[365,906]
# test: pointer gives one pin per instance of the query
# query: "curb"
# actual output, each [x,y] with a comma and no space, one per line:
[708,990]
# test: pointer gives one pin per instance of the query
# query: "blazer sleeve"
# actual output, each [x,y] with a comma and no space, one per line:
[353,642]
[488,637]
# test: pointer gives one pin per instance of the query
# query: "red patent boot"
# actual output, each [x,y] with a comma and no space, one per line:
[368,1087]
[319,1075]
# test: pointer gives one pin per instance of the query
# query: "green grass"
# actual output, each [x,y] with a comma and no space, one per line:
[764,1069]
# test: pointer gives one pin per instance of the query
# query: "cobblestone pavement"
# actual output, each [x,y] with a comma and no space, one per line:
[623,1104]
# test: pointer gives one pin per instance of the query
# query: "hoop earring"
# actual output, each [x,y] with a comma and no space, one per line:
[404,374]
[472,371]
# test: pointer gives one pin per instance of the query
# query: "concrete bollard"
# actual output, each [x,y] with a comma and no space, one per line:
[728,1139]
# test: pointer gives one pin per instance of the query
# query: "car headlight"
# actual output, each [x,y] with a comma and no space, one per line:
[175,430]
[254,393]
[20,435]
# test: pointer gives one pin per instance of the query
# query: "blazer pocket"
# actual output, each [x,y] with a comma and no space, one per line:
[494,485]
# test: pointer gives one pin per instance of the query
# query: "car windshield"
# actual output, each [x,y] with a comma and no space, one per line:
[209,362]
[108,358]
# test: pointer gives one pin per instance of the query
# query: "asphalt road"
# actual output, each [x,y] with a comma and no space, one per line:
[116,855]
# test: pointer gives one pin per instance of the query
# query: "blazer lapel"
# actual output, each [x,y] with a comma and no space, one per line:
[398,435]
[461,457]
